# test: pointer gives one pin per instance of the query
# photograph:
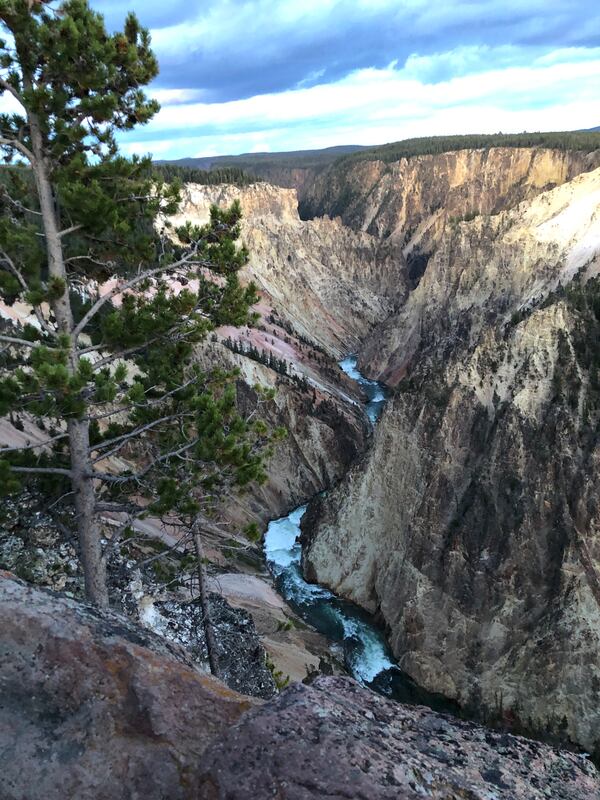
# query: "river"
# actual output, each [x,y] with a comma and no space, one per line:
[366,653]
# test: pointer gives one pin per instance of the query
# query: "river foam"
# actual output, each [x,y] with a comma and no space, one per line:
[366,652]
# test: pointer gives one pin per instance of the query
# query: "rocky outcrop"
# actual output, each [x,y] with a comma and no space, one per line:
[471,527]
[92,706]
[335,739]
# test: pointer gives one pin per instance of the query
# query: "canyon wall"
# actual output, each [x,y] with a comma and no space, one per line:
[482,271]
[393,199]
[323,288]
[471,525]
[331,283]
[409,204]
[326,432]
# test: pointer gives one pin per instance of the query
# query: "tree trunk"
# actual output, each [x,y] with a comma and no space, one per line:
[209,634]
[90,546]
[94,567]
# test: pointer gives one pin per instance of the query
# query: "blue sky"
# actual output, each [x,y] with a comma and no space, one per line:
[266,75]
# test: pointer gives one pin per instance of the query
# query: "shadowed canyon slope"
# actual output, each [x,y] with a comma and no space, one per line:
[471,525]
[332,283]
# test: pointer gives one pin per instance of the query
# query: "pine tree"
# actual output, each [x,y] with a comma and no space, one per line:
[108,366]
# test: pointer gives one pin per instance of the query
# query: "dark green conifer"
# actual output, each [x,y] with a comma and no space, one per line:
[109,366]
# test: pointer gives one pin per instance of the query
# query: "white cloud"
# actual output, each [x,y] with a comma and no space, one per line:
[260,147]
[9,104]
[370,106]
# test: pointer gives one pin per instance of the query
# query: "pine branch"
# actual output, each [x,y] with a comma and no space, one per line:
[32,446]
[17,145]
[131,350]
[147,403]
[106,264]
[126,437]
[20,342]
[137,478]
[67,231]
[119,508]
[17,204]
[179,545]
[116,290]
[115,356]
[8,87]
[42,470]
[116,538]
[59,500]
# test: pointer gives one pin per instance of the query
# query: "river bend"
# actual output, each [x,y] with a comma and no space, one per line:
[360,640]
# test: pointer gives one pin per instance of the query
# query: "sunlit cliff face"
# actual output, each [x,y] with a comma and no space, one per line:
[471,525]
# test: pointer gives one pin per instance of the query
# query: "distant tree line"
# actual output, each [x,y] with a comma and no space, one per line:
[214,177]
[585,141]
[167,173]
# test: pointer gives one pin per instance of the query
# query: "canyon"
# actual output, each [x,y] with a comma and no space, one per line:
[470,526]
[465,522]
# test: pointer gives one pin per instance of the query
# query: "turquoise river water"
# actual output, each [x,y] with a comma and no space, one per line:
[366,653]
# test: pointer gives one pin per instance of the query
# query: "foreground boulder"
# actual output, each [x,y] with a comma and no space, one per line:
[94,707]
[335,739]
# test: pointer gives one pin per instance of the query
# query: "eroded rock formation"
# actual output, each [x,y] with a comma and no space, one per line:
[471,526]
[394,199]
[326,432]
[331,282]
[485,270]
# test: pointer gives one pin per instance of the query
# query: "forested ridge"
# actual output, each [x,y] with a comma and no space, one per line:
[206,177]
[586,141]
[245,169]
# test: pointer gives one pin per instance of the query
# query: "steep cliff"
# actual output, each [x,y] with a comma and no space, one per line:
[326,431]
[410,203]
[484,270]
[471,526]
[330,282]
[323,288]
[393,199]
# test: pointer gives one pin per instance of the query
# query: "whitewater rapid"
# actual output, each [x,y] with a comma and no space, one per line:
[366,653]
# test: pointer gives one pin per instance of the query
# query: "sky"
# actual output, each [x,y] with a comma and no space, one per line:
[270,75]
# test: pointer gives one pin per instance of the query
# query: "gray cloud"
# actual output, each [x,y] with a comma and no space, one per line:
[231,49]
